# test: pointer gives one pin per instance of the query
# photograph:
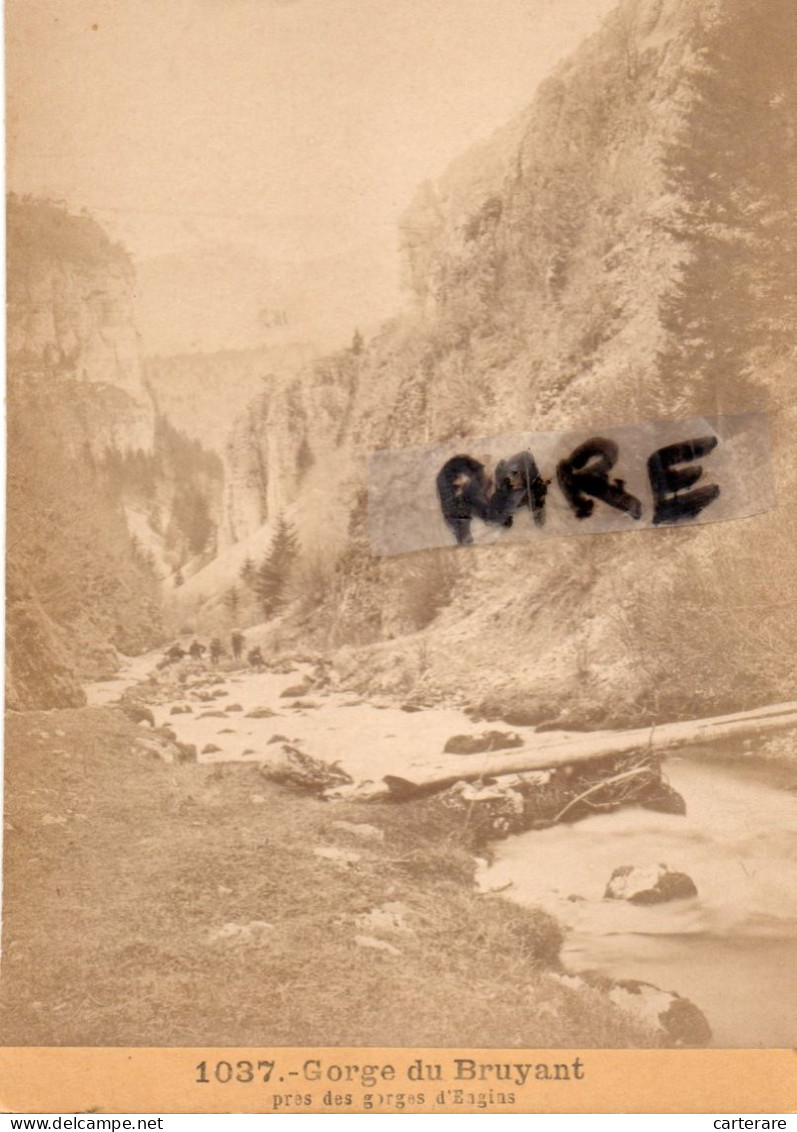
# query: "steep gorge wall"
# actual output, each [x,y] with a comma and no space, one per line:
[77,586]
[290,452]
[623,251]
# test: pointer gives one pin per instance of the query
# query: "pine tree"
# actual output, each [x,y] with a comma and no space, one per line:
[271,578]
[232,600]
[248,572]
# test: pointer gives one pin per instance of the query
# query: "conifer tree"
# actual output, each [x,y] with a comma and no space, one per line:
[248,572]
[272,576]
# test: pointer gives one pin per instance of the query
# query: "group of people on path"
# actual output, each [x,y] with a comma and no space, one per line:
[215,649]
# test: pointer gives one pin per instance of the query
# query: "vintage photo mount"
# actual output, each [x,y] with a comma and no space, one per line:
[100,360]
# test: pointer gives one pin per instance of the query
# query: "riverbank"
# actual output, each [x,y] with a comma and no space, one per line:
[186,904]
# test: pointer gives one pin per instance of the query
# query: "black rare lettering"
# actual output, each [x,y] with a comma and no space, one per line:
[584,477]
[518,483]
[462,487]
[667,483]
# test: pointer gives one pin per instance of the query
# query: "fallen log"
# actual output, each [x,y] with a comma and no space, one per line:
[557,748]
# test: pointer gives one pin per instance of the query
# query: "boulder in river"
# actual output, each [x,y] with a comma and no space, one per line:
[650,884]
[291,766]
[181,709]
[296,690]
[487,741]
[260,713]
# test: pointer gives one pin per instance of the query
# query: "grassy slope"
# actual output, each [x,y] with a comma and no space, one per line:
[108,917]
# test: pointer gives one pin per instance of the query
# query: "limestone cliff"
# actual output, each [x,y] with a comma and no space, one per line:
[625,250]
[78,587]
[70,303]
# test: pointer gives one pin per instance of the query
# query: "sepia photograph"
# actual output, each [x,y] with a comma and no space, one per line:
[401,535]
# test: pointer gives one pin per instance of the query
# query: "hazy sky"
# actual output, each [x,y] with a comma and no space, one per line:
[292,128]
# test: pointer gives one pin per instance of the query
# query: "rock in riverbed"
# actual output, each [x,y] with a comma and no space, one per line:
[296,690]
[293,767]
[652,884]
[487,741]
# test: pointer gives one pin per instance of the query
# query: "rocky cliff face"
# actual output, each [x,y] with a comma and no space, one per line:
[623,251]
[70,297]
[290,451]
[78,586]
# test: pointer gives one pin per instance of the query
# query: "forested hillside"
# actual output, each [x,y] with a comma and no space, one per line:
[624,251]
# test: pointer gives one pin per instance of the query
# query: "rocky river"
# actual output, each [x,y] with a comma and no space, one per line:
[732,948]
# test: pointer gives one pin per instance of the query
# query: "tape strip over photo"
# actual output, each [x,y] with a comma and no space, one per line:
[525,486]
